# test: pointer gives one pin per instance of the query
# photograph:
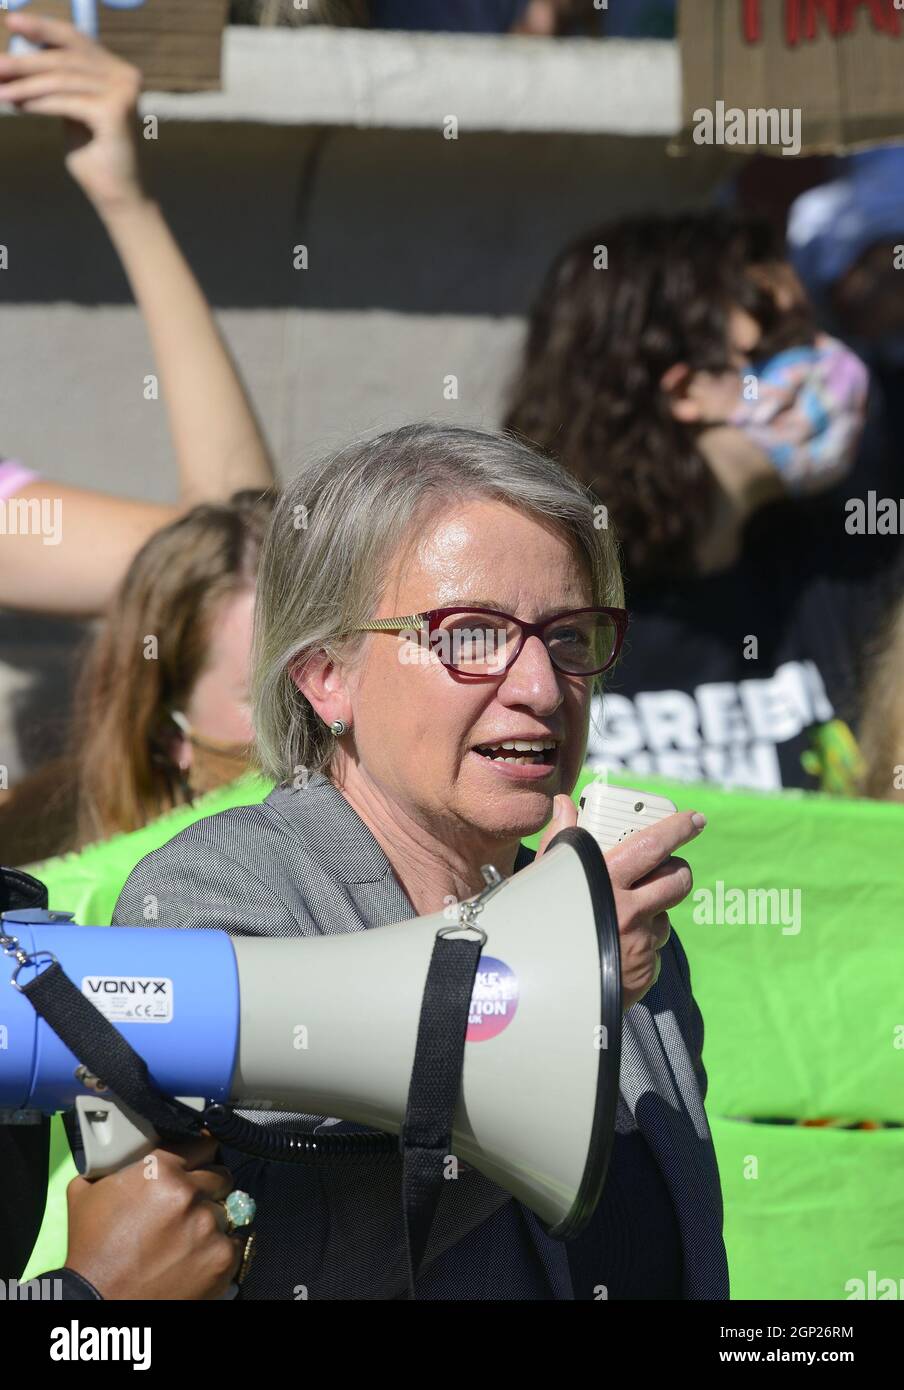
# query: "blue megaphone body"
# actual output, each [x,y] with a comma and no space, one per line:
[173,995]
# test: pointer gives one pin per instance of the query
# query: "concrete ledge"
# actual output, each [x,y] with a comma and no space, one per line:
[358,78]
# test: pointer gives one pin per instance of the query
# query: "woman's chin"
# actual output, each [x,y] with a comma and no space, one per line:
[510,799]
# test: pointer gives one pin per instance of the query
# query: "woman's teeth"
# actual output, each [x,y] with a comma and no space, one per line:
[520,751]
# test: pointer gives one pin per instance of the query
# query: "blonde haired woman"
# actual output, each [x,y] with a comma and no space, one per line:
[395,787]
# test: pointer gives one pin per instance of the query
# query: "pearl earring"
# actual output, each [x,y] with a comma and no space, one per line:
[339,727]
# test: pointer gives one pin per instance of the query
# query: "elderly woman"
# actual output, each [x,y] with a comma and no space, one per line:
[402,770]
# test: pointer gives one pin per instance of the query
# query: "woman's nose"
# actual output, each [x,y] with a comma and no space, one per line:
[532,679]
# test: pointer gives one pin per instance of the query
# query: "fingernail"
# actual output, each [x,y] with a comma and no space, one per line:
[698,820]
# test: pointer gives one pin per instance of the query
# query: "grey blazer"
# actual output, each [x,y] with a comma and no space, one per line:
[303,863]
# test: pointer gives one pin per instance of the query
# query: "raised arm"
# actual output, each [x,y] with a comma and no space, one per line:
[218,443]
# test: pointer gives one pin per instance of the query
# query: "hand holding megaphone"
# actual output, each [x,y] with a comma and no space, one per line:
[156,1233]
[647,879]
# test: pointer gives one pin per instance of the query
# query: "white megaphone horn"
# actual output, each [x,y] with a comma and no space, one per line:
[536,1112]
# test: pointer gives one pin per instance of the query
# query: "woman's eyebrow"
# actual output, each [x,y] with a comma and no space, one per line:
[466,604]
[475,603]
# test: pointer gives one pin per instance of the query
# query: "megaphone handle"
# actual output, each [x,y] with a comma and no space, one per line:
[426,1135]
[114,1136]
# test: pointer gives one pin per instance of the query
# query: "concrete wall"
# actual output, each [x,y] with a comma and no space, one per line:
[424,255]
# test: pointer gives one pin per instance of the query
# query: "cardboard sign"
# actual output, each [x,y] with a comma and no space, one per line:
[176,43]
[792,76]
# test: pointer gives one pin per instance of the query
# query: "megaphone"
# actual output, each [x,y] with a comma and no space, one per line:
[328,1026]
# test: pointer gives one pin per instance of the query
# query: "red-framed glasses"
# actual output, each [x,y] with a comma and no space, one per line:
[477,641]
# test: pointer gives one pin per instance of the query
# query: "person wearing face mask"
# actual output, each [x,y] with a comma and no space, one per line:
[804,400]
[687,385]
[161,701]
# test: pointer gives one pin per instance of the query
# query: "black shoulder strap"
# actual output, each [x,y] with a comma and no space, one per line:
[426,1136]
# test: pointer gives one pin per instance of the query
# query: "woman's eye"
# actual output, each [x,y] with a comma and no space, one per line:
[477,641]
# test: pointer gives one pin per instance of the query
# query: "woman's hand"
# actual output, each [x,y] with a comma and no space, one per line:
[94,91]
[647,880]
[163,1237]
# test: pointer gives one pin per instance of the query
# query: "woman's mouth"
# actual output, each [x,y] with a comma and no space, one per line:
[531,757]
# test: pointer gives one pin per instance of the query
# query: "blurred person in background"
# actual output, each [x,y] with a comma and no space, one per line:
[161,708]
[161,716]
[651,354]
[846,240]
[218,443]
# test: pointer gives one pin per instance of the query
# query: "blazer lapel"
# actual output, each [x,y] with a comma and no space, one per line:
[660,1086]
[668,1109]
[664,1097]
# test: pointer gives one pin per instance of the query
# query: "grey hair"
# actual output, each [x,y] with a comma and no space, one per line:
[337,529]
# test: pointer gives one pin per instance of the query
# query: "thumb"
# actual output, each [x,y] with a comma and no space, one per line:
[564,812]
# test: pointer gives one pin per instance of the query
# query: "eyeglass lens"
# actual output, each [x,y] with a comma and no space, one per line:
[481,644]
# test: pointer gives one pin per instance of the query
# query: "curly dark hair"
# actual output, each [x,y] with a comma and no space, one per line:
[600,340]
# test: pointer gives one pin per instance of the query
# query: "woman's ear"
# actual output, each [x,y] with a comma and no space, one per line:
[322,683]
[676,384]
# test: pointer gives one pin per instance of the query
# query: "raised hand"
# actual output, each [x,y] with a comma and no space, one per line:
[95,92]
[647,879]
